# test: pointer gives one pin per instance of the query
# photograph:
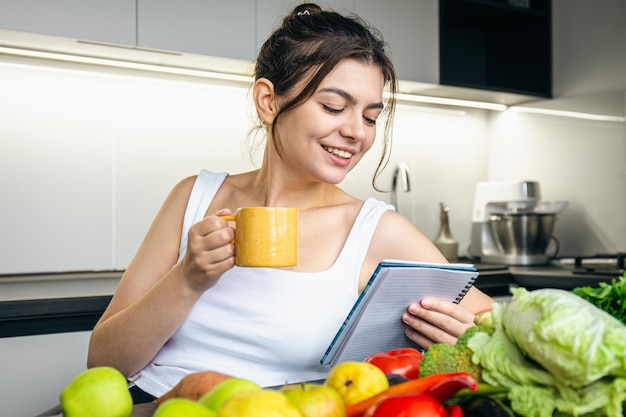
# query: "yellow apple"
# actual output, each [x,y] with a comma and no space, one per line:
[356,381]
[182,407]
[259,403]
[97,392]
[314,400]
[216,396]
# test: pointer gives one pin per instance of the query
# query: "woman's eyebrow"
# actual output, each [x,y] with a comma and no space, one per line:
[349,97]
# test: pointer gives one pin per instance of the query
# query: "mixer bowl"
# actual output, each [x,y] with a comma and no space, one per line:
[522,233]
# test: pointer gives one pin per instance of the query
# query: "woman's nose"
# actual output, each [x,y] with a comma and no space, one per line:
[354,127]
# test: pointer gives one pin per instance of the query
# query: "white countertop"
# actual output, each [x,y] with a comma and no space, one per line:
[58,285]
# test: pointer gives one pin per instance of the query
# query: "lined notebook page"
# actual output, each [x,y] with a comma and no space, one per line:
[374,323]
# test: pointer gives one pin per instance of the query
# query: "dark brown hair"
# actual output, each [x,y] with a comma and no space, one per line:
[307,46]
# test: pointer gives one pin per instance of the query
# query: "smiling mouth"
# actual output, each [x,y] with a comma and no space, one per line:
[339,152]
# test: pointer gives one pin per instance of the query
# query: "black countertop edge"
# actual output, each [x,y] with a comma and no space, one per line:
[48,316]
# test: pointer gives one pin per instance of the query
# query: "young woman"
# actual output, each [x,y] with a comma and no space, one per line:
[183,306]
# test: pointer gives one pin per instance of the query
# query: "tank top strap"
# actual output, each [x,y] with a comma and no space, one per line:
[358,241]
[202,194]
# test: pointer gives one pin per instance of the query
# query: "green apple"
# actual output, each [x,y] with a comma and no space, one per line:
[97,392]
[182,407]
[356,381]
[314,400]
[259,403]
[217,396]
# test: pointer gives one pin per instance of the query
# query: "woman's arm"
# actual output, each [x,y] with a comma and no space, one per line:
[155,294]
[430,320]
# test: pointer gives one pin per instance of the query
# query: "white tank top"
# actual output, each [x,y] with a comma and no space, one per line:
[267,325]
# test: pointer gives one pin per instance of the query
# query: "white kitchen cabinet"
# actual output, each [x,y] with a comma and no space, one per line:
[56,171]
[35,369]
[208,27]
[111,21]
[212,27]
[411,29]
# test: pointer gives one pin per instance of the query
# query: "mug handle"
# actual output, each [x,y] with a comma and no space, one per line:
[229,218]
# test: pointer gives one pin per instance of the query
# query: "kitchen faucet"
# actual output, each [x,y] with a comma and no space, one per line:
[401,170]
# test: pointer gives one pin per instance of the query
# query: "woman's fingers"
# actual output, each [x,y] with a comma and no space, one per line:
[435,321]
[210,251]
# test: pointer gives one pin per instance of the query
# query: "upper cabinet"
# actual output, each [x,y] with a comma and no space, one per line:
[208,27]
[411,29]
[473,45]
[589,47]
[500,45]
[110,21]
[507,51]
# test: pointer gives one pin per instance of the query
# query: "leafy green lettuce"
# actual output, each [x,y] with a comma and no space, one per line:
[557,353]
[608,297]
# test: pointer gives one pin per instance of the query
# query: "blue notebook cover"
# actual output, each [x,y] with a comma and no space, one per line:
[374,323]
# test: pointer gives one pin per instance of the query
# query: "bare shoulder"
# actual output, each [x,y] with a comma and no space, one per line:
[183,188]
[396,237]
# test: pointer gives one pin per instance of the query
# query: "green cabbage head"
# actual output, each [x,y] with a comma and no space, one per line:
[571,338]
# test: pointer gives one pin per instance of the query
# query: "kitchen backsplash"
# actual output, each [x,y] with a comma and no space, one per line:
[87,158]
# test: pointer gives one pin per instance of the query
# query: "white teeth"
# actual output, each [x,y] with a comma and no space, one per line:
[338,152]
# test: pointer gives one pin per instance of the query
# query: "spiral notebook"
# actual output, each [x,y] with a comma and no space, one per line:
[374,324]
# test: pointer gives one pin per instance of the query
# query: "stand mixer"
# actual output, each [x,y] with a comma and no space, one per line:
[510,225]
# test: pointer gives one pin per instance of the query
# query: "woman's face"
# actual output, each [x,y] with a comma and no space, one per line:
[328,134]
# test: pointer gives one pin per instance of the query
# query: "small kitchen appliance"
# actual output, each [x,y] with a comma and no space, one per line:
[511,225]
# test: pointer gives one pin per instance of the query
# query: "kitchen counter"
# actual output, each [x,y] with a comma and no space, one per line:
[53,285]
[48,303]
[48,316]
[71,302]
[497,280]
[75,301]
[535,277]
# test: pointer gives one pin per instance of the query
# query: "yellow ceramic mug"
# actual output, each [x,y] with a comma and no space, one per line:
[266,236]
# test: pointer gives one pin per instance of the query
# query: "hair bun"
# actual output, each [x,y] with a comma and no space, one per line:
[306,9]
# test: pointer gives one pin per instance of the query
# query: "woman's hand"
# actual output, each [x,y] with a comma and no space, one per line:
[210,251]
[434,321]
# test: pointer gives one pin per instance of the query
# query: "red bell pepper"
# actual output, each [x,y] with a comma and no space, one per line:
[404,362]
[454,410]
[409,405]
[447,387]
[438,386]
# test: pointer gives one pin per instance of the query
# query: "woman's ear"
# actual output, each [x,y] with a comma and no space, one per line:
[265,100]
